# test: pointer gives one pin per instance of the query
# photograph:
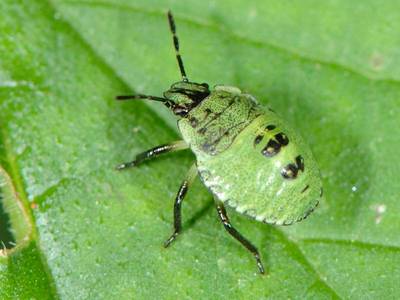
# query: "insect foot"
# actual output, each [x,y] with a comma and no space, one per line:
[170,239]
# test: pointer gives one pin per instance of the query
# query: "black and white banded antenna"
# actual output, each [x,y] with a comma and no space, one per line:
[176,46]
[167,102]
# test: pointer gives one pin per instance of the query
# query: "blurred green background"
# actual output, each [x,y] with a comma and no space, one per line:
[84,231]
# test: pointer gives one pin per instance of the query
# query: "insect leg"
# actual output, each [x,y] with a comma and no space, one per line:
[152,153]
[233,232]
[191,175]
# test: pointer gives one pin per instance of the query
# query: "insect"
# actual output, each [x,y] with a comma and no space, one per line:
[246,155]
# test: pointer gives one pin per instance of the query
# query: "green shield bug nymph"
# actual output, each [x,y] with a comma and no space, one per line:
[246,155]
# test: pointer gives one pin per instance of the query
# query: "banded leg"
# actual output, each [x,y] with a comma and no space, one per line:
[190,177]
[233,232]
[152,153]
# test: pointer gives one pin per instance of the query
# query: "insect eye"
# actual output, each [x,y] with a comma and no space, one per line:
[289,172]
[180,110]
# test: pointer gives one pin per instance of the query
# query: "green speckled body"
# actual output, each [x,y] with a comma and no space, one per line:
[228,133]
[246,155]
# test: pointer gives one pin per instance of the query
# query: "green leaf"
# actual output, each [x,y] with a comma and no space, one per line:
[330,68]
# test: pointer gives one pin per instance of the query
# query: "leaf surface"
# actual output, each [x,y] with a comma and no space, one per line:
[329,68]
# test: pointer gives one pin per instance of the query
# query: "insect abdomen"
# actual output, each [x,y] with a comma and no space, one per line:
[268,173]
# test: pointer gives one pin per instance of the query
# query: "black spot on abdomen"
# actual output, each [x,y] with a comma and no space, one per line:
[258,139]
[300,162]
[270,127]
[289,171]
[275,144]
[305,189]
[282,138]
[271,149]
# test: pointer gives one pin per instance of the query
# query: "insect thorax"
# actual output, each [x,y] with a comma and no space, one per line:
[213,124]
